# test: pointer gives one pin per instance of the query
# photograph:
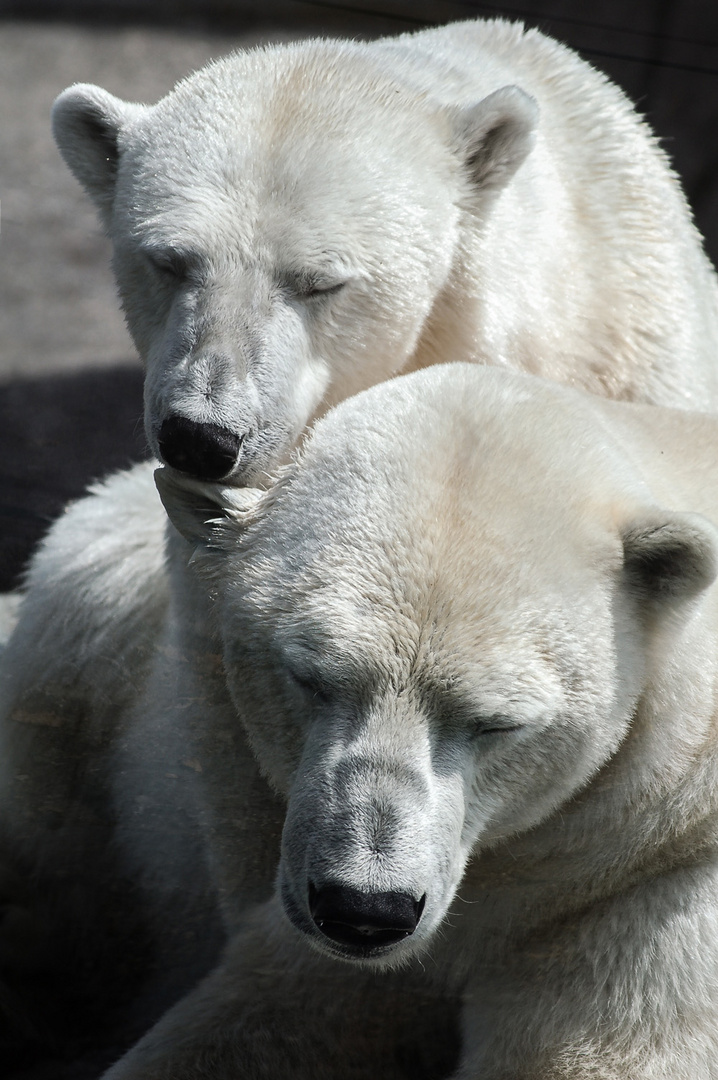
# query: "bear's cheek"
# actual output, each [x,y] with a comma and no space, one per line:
[276,742]
[268,718]
[357,339]
[146,300]
[514,787]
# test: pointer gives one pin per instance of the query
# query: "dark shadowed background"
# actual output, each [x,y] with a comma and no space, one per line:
[70,384]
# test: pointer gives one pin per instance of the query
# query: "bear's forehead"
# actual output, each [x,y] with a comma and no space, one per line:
[451,665]
[275,156]
[280,108]
[438,516]
[328,77]
[254,189]
[409,593]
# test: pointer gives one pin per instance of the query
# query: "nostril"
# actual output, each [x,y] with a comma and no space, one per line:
[206,451]
[364,920]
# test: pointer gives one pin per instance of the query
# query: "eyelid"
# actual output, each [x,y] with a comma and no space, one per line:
[496,725]
[308,282]
[168,261]
[321,289]
[310,683]
[308,288]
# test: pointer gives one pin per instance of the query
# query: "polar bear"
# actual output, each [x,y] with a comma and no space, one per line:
[449,687]
[296,223]
[471,638]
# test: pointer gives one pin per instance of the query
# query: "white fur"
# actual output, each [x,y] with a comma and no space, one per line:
[9,604]
[474,192]
[459,550]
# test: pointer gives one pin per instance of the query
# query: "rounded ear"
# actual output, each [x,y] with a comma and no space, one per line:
[86,123]
[209,516]
[496,135]
[671,556]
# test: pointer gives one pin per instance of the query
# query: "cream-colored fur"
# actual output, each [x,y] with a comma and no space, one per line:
[464,651]
[296,223]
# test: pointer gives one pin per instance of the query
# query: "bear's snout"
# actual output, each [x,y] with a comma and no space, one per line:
[363,921]
[204,451]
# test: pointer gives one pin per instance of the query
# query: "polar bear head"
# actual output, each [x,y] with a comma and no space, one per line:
[283,223]
[435,631]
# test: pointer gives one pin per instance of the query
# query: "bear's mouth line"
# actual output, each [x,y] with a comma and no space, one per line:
[350,953]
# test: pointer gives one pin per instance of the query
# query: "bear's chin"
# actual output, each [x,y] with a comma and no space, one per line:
[389,957]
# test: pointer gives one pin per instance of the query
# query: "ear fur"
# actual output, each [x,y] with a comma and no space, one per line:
[671,556]
[496,135]
[207,515]
[86,123]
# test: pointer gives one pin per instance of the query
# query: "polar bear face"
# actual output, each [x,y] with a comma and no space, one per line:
[406,743]
[435,634]
[283,224]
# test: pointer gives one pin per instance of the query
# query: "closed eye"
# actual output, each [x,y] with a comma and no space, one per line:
[310,685]
[167,263]
[496,725]
[312,290]
[315,284]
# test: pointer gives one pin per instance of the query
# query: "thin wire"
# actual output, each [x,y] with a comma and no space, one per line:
[670,38]
[369,11]
[697,69]
[693,68]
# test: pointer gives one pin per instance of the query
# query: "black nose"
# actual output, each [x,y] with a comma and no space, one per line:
[206,451]
[364,920]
